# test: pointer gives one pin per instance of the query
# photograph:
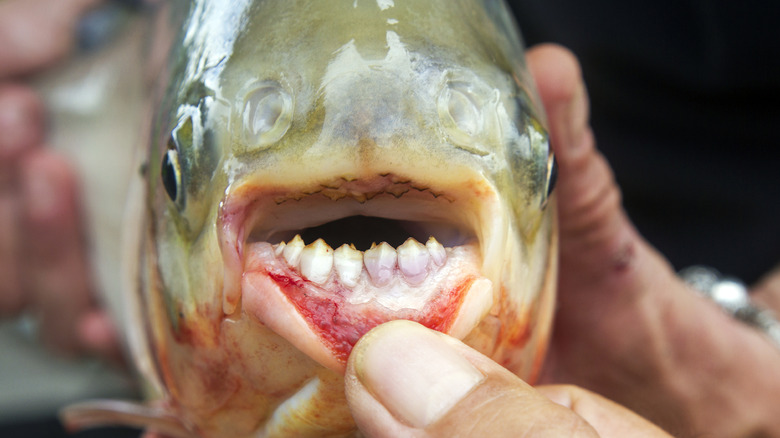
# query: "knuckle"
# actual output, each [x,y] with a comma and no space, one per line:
[590,205]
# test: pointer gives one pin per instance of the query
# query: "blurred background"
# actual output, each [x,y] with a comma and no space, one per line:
[93,101]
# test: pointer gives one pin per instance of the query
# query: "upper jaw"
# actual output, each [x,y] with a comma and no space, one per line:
[445,273]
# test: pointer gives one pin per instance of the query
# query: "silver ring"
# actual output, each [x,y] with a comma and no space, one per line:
[732,296]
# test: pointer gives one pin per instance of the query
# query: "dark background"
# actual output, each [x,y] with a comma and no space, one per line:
[685,98]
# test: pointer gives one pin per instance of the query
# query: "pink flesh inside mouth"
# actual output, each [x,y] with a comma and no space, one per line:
[323,300]
[340,314]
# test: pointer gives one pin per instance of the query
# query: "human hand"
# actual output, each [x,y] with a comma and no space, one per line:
[405,380]
[626,326]
[767,291]
[43,252]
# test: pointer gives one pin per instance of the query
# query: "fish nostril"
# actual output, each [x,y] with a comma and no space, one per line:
[464,108]
[267,115]
[464,112]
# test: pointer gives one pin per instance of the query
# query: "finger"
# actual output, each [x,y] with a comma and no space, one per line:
[612,286]
[21,123]
[559,82]
[607,417]
[595,233]
[35,34]
[767,291]
[405,380]
[56,270]
[624,324]
[21,127]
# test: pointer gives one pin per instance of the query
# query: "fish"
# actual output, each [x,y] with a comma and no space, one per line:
[316,168]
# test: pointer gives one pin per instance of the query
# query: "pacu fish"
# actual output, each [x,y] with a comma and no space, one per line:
[317,168]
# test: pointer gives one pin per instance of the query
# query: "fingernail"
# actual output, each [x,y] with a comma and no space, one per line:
[413,372]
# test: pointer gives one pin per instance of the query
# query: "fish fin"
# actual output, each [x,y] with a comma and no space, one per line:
[97,413]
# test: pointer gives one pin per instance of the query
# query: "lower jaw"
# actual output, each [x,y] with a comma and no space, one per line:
[325,325]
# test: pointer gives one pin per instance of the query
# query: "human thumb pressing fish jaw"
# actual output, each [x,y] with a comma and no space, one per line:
[404,380]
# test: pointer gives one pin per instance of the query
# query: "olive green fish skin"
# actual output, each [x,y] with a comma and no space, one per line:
[287,97]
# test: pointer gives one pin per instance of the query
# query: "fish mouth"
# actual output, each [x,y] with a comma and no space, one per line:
[322,265]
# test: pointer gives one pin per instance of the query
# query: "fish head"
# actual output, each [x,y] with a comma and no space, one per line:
[319,168]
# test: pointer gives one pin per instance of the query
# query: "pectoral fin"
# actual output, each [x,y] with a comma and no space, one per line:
[97,413]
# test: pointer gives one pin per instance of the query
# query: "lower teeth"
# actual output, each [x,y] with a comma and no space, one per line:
[317,261]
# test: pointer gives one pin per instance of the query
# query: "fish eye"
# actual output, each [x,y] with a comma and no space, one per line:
[552,175]
[171,172]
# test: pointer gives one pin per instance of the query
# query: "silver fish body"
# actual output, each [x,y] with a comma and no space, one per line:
[294,133]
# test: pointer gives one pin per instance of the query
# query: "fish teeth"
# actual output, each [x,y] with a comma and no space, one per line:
[348,262]
[317,261]
[413,259]
[292,251]
[380,262]
[436,249]
[279,250]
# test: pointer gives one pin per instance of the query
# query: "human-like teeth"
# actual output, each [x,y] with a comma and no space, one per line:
[437,252]
[413,258]
[380,263]
[317,261]
[348,262]
[292,251]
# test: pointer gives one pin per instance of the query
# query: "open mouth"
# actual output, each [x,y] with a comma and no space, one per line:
[322,266]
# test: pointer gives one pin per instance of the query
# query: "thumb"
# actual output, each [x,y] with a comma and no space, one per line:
[404,380]
[595,234]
